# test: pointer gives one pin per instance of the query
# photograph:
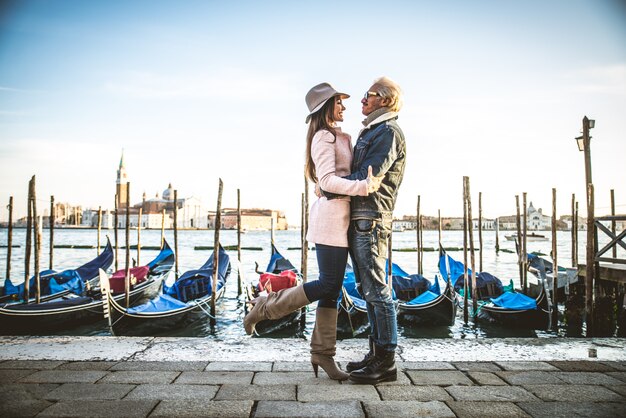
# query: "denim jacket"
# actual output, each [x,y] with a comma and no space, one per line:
[381,145]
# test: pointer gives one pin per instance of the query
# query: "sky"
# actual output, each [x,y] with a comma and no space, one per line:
[195,91]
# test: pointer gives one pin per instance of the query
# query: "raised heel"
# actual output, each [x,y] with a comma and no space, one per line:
[315,368]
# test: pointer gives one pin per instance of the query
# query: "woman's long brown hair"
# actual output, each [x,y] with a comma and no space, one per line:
[322,119]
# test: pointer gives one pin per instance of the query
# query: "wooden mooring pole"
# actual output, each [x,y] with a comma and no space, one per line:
[305,229]
[216,250]
[480,231]
[37,237]
[421,221]
[176,233]
[127,265]
[589,273]
[162,228]
[470,232]
[465,280]
[239,284]
[139,216]
[9,236]
[29,241]
[520,250]
[417,232]
[52,221]
[613,224]
[555,269]
[439,226]
[115,221]
[525,247]
[99,228]
[574,232]
[497,227]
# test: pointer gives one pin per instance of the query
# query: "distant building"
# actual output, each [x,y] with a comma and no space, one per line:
[536,219]
[251,219]
[158,211]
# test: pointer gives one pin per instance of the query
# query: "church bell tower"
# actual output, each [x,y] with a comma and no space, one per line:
[121,185]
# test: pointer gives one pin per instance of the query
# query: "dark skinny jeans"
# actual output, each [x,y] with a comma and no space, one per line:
[331,262]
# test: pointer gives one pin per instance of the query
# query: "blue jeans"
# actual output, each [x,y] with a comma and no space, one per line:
[331,262]
[368,250]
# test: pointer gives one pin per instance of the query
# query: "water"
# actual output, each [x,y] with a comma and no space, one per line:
[230,309]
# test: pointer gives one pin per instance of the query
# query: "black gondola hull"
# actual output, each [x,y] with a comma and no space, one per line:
[65,313]
[528,318]
[440,311]
[124,323]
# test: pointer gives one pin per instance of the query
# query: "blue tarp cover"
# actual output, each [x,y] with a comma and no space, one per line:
[515,301]
[67,280]
[163,261]
[162,303]
[198,283]
[425,297]
[278,263]
[482,280]
[413,282]
[450,268]
[349,282]
[85,272]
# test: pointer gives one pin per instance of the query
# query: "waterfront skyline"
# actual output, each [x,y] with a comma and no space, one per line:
[193,91]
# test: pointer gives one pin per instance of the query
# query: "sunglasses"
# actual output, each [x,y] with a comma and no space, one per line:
[369,94]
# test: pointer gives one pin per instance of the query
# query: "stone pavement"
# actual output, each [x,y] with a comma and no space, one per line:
[116,385]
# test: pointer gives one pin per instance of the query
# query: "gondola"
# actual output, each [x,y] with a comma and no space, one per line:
[55,284]
[487,285]
[71,309]
[352,317]
[185,301]
[539,266]
[279,274]
[517,310]
[422,303]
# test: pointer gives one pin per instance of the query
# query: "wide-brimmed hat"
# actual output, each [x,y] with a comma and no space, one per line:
[318,95]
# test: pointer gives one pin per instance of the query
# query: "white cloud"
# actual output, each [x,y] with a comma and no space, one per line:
[609,79]
[230,84]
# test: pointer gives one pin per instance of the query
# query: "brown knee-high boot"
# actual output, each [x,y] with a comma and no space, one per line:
[323,344]
[275,305]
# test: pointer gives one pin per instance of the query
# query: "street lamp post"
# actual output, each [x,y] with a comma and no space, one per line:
[584,146]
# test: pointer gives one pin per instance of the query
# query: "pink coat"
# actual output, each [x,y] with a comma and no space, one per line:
[329,219]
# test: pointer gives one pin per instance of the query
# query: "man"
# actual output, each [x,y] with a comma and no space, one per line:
[381,145]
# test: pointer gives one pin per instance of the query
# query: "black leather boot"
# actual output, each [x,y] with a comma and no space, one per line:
[382,368]
[356,365]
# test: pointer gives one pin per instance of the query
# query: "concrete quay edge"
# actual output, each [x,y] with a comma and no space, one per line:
[106,348]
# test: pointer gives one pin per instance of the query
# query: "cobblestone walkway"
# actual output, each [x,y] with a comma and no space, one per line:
[47,388]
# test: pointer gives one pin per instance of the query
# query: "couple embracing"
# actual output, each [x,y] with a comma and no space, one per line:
[352,215]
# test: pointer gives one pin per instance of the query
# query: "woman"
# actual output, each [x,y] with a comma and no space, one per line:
[328,157]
